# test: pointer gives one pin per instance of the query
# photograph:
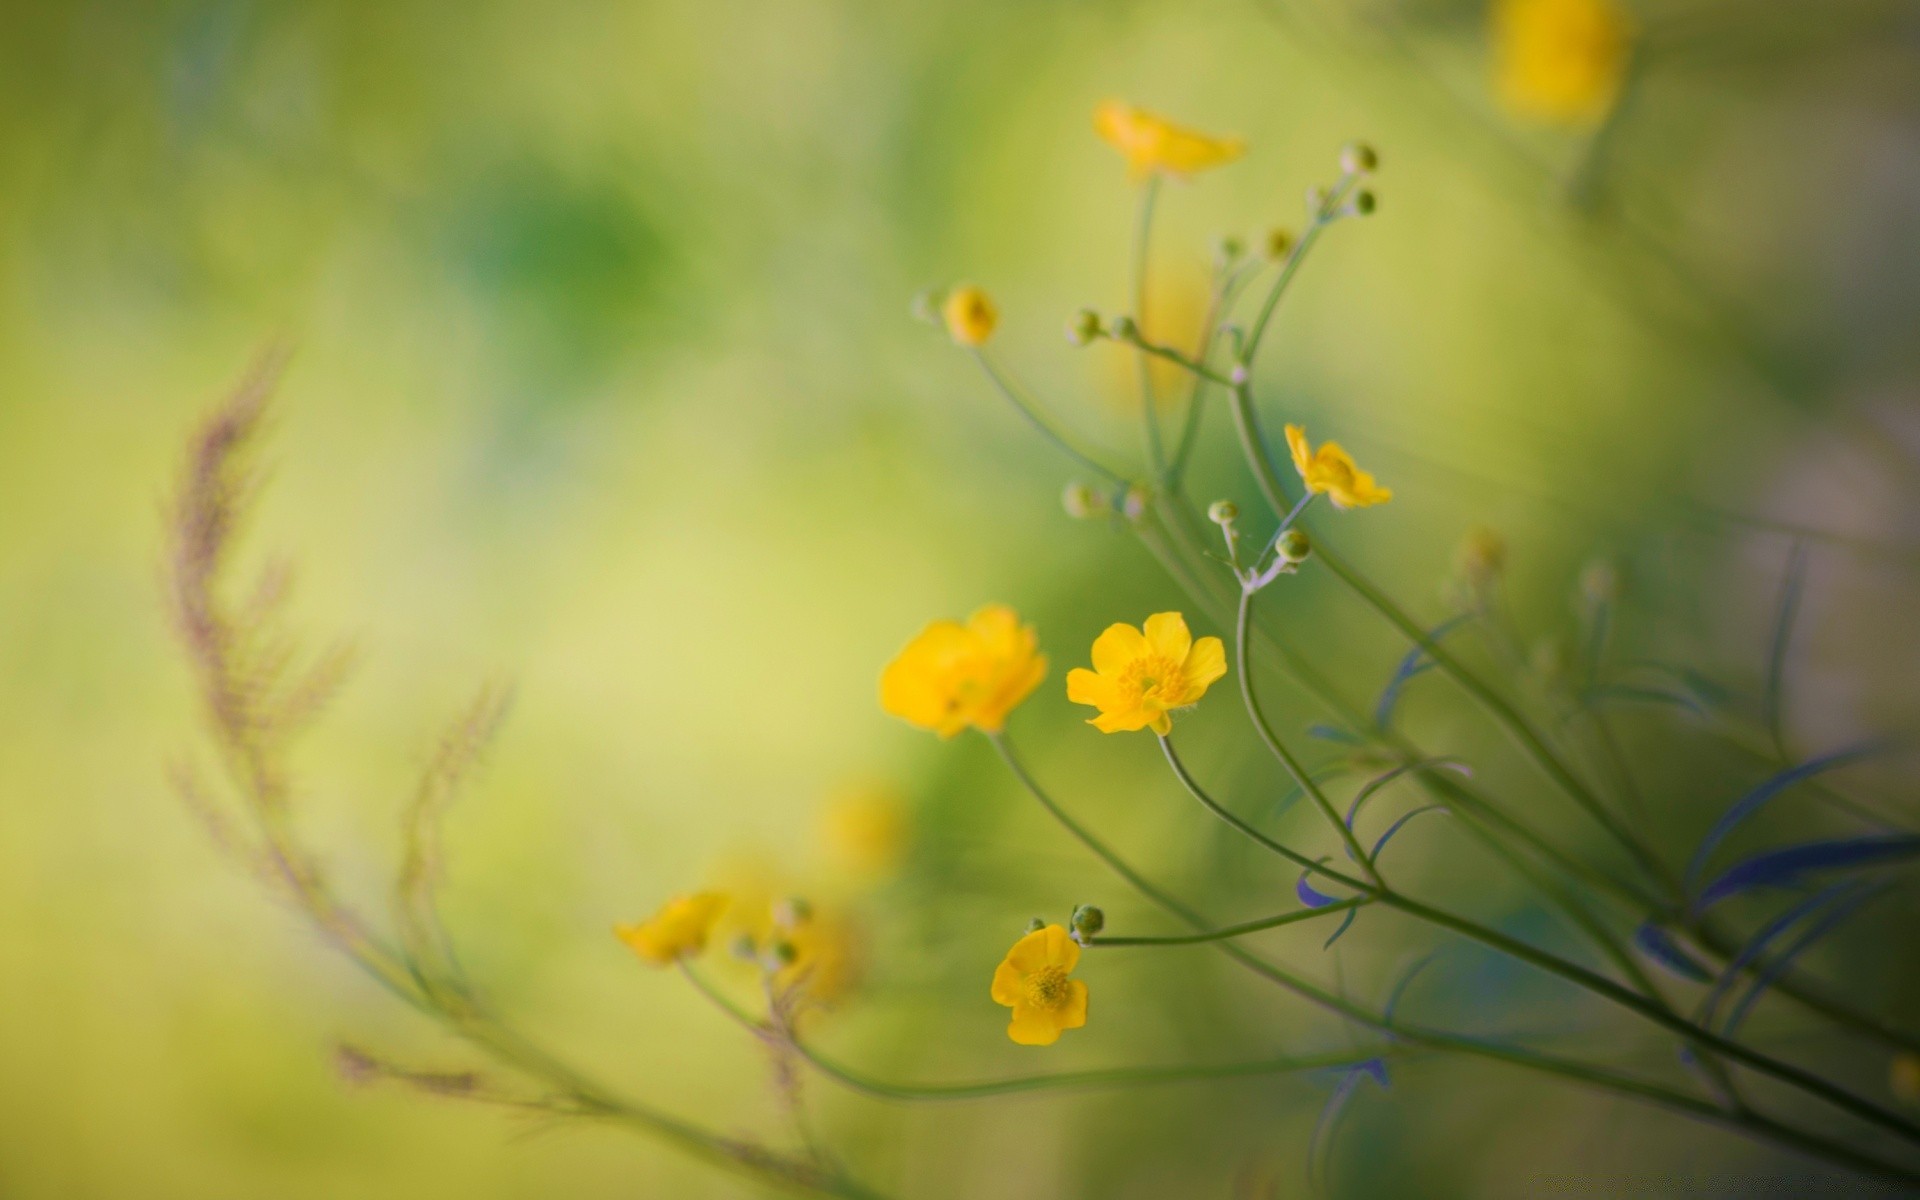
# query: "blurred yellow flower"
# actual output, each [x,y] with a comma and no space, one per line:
[1152,143]
[953,675]
[819,951]
[1331,470]
[678,930]
[1140,675]
[1903,1077]
[970,315]
[865,831]
[1032,981]
[1560,61]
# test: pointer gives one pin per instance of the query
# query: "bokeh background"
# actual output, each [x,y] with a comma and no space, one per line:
[605,382]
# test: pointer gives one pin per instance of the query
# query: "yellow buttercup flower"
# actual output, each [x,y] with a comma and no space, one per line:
[677,931]
[1331,470]
[1560,61]
[1152,143]
[1032,981]
[822,948]
[953,676]
[970,315]
[1141,675]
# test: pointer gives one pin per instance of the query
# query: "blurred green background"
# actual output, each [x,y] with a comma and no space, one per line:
[605,382]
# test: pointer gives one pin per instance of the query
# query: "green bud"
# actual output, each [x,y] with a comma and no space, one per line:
[1228,248]
[1087,921]
[785,953]
[1279,242]
[1223,512]
[1123,329]
[1036,925]
[1358,158]
[1085,327]
[792,912]
[926,305]
[1362,204]
[1083,502]
[1294,546]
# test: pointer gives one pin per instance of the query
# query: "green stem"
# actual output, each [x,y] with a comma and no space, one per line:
[1300,775]
[1232,931]
[1031,412]
[1318,222]
[1740,1120]
[1114,1077]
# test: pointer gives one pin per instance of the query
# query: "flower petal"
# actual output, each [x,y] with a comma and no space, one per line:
[1007,988]
[1206,663]
[1073,1014]
[1032,1026]
[1167,633]
[1085,687]
[1029,954]
[1297,446]
[1119,645]
[1162,724]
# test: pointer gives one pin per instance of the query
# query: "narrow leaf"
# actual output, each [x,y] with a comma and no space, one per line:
[1395,827]
[1345,924]
[1757,945]
[1789,610]
[1380,781]
[1309,896]
[1406,981]
[1659,945]
[1414,663]
[1626,693]
[1786,867]
[1754,800]
[1778,967]
[1323,1129]
[1333,733]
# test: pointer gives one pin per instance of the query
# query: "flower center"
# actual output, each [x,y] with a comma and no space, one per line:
[1047,987]
[1156,678]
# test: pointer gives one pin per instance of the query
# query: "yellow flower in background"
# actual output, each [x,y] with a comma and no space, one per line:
[1560,61]
[1140,675]
[1032,981]
[953,676]
[1153,144]
[678,930]
[1903,1077]
[970,315]
[819,950]
[865,831]
[1331,470]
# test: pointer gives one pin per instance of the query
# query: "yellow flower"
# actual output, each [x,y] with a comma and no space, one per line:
[824,962]
[954,675]
[1152,143]
[1032,981]
[1140,675]
[1331,470]
[1560,61]
[970,315]
[678,930]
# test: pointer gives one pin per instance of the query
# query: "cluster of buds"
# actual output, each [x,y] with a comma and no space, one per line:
[1084,502]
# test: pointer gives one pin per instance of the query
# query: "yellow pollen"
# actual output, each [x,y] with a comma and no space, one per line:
[1156,676]
[1047,987]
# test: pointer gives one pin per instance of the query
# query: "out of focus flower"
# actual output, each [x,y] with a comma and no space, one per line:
[865,831]
[970,315]
[1560,61]
[1032,981]
[1482,554]
[1331,469]
[1152,144]
[677,931]
[1141,675]
[953,676]
[818,951]
[1903,1077]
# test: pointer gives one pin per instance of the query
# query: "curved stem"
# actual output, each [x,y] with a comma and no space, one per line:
[1231,931]
[1301,777]
[1032,413]
[1740,1120]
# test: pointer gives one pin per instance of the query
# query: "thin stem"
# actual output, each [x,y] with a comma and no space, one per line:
[1232,931]
[1217,809]
[1742,1121]
[1028,410]
[1113,1077]
[1301,777]
[1320,220]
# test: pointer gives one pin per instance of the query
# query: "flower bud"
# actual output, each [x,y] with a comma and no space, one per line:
[970,315]
[1358,158]
[1133,505]
[785,953]
[1227,249]
[1123,329]
[1238,376]
[1223,512]
[1294,546]
[1316,200]
[1087,921]
[1082,501]
[1085,327]
[1362,204]
[1279,243]
[743,948]
[1036,925]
